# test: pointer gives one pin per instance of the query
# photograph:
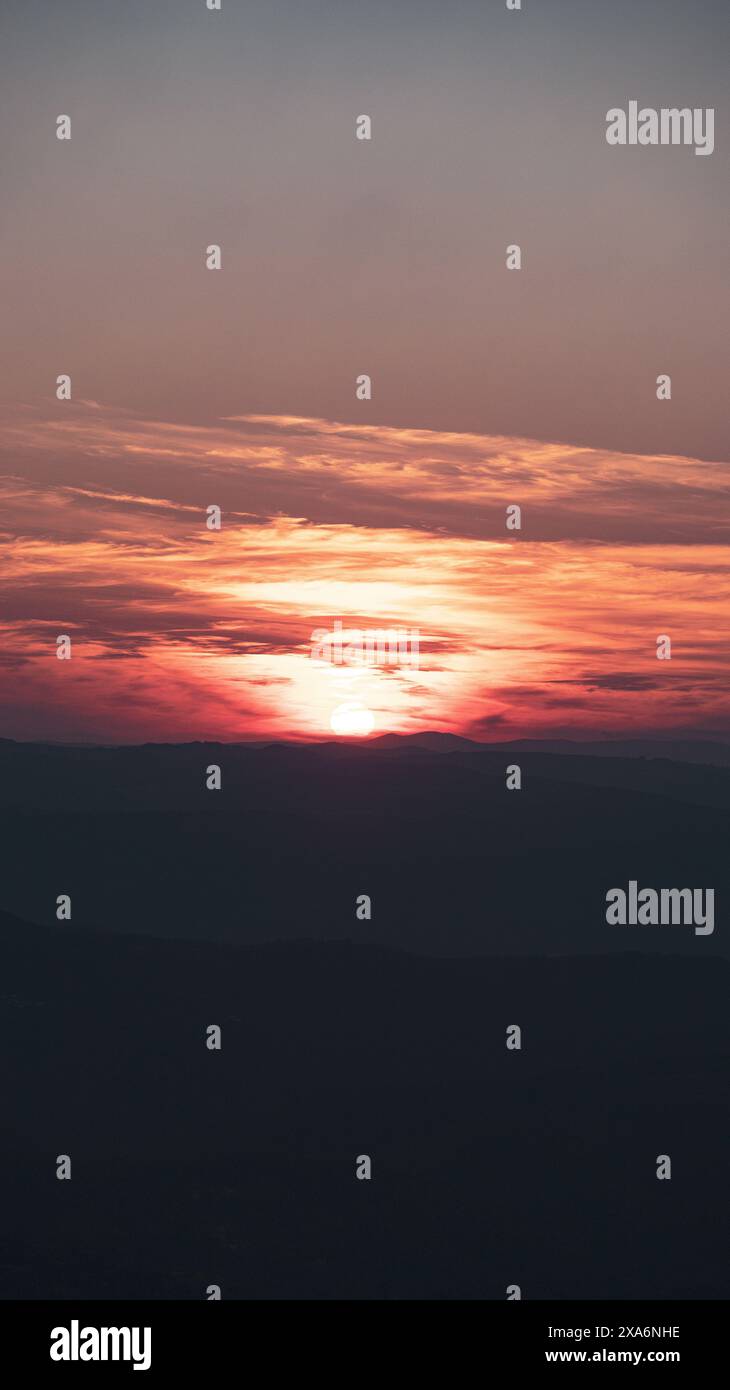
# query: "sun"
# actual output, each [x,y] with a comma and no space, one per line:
[353,720]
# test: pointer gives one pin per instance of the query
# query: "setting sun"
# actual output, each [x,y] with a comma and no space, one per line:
[352,719]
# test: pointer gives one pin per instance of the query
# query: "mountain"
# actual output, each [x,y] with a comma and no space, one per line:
[346,1035]
[436,742]
[712,752]
[454,863]
[237,1167]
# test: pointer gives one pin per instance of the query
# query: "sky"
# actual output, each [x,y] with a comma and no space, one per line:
[340,257]
[183,632]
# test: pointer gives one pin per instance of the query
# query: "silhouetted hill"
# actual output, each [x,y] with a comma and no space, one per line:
[455,864]
[436,742]
[711,752]
[237,1167]
[238,908]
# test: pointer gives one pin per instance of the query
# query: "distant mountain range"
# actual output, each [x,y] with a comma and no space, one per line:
[714,752]
[455,864]
[708,751]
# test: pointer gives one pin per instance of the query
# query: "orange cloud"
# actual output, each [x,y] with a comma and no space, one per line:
[181,632]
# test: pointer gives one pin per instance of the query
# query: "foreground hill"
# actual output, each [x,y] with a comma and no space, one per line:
[237,1167]
[345,1036]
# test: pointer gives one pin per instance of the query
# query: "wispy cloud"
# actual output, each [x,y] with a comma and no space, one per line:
[180,631]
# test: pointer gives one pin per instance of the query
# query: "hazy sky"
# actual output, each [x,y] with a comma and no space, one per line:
[340,257]
[387,257]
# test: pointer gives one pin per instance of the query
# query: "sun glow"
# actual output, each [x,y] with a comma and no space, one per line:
[181,632]
[353,720]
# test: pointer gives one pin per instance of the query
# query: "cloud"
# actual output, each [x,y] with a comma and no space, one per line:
[179,631]
[458,484]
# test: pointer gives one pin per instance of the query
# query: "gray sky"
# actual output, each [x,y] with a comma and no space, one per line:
[342,257]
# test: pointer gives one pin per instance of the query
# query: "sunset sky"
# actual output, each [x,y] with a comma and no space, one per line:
[182,632]
[237,388]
